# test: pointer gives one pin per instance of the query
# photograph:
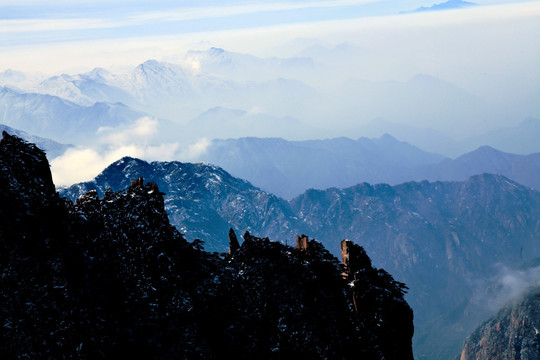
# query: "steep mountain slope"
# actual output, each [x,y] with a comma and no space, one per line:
[287,168]
[112,278]
[202,200]
[511,334]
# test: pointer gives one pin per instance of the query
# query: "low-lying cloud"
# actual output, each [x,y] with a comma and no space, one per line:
[84,163]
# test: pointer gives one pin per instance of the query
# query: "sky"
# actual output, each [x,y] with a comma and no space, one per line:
[491,50]
[62,35]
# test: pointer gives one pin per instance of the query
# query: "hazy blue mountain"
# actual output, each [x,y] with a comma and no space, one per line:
[423,101]
[524,169]
[519,139]
[337,102]
[19,80]
[86,89]
[224,123]
[51,147]
[287,168]
[59,119]
[448,5]
[246,67]
[180,92]
[425,138]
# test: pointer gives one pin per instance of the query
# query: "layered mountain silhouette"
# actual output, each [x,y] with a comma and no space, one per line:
[288,168]
[524,169]
[110,277]
[215,78]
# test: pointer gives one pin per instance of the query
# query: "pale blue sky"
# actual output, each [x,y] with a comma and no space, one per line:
[31,21]
[74,35]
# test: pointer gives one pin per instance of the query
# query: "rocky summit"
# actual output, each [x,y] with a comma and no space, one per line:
[109,277]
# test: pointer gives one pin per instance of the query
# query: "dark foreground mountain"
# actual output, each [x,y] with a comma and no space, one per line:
[111,278]
[512,334]
[446,240]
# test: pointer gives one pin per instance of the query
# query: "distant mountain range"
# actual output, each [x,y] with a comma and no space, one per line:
[448,5]
[444,239]
[288,168]
[302,106]
[245,67]
[59,119]
[225,123]
[523,169]
[518,139]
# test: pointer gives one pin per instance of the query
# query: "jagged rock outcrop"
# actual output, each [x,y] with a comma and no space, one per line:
[233,241]
[110,277]
[512,334]
[302,242]
[370,288]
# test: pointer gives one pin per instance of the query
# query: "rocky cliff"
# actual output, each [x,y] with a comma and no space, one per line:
[512,334]
[110,277]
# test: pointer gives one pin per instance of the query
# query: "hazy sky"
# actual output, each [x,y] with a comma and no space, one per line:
[74,35]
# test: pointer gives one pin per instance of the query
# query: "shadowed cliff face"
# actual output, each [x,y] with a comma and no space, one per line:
[110,277]
[512,334]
